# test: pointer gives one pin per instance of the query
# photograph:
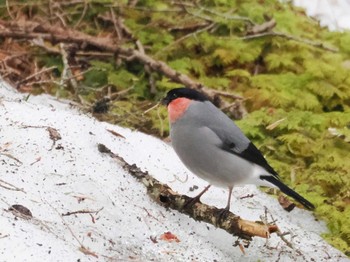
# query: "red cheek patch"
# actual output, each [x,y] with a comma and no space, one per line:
[177,108]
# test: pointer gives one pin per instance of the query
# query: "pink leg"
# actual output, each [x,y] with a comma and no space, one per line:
[229,198]
[196,199]
[223,212]
[201,193]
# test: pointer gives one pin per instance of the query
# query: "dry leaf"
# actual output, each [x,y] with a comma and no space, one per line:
[241,248]
[153,239]
[36,160]
[21,210]
[168,236]
[54,134]
[286,203]
[275,124]
[115,133]
[87,251]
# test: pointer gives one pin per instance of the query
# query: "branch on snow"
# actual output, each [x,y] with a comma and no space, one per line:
[165,196]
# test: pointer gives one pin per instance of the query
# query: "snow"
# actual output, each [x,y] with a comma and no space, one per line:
[72,175]
[334,14]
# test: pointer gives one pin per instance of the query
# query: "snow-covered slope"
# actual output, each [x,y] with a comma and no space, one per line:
[124,223]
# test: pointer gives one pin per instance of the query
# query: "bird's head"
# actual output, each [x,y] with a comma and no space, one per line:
[178,100]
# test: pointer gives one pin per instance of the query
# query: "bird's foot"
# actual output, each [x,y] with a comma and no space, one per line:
[221,214]
[191,201]
[194,200]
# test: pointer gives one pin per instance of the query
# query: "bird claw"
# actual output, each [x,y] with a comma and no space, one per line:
[221,214]
[194,200]
[190,202]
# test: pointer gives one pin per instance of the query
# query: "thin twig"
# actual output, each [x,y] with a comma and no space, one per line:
[9,186]
[151,108]
[67,72]
[60,17]
[36,74]
[66,225]
[118,31]
[82,14]
[12,157]
[278,231]
[140,8]
[177,41]
[228,17]
[177,178]
[151,80]
[84,211]
[8,10]
[227,94]
[149,214]
[120,93]
[291,37]
[261,28]
[210,11]
[161,122]
[197,14]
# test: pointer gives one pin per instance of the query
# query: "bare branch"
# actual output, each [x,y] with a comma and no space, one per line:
[84,211]
[265,27]
[9,186]
[82,14]
[165,196]
[291,37]
[32,30]
[36,74]
[177,41]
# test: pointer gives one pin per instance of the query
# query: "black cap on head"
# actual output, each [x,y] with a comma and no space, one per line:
[184,92]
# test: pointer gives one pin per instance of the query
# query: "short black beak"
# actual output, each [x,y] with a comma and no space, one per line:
[165,101]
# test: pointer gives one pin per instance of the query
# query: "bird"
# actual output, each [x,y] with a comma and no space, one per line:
[214,148]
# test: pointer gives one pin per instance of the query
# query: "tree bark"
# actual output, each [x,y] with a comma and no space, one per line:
[165,196]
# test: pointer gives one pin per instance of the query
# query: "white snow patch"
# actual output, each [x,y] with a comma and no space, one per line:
[55,180]
[335,14]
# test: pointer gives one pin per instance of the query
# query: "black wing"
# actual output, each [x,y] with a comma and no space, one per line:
[232,138]
[251,154]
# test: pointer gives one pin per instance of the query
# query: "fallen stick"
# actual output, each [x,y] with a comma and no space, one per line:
[165,196]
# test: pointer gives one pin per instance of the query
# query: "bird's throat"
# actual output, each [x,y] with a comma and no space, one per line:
[177,108]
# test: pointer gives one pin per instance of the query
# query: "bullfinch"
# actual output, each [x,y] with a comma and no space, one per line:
[213,147]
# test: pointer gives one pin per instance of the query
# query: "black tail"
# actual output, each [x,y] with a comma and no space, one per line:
[288,191]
